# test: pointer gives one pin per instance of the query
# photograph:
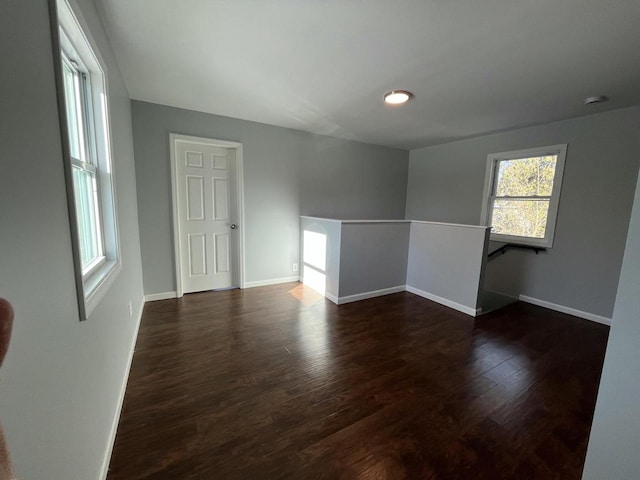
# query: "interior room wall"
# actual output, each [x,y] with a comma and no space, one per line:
[445,263]
[581,270]
[373,257]
[287,173]
[613,444]
[62,379]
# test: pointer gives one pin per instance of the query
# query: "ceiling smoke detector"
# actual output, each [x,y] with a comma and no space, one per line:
[397,97]
[595,99]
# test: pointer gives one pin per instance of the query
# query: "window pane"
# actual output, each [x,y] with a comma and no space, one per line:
[526,177]
[72,102]
[85,191]
[521,218]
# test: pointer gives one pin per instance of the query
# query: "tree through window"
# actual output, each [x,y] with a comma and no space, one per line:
[522,194]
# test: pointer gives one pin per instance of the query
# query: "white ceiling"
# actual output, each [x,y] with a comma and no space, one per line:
[475,66]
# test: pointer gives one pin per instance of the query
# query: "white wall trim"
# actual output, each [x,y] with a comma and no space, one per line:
[271,281]
[333,298]
[373,221]
[355,220]
[123,388]
[366,295]
[460,225]
[152,297]
[509,295]
[324,219]
[561,308]
[474,312]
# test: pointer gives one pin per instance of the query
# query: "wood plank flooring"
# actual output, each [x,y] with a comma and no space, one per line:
[278,383]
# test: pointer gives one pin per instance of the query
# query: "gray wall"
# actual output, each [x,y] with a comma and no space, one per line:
[581,271]
[614,441]
[446,261]
[62,379]
[373,256]
[287,173]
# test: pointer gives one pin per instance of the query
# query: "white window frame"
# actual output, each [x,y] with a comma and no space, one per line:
[86,162]
[74,44]
[554,200]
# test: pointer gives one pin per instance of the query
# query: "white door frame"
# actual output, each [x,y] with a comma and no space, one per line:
[239,214]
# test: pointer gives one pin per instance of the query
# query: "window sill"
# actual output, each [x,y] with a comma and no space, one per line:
[94,267]
[98,283]
[526,241]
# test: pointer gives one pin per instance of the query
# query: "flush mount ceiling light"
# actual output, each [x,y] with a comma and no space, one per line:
[595,99]
[397,97]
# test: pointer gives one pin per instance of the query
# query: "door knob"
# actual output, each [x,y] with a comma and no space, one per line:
[233,226]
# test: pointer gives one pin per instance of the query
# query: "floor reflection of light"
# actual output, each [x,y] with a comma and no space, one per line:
[312,328]
[305,295]
[314,345]
[313,332]
[504,365]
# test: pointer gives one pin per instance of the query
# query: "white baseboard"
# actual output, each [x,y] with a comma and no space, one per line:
[508,295]
[561,308]
[367,295]
[123,389]
[152,297]
[272,281]
[333,298]
[474,312]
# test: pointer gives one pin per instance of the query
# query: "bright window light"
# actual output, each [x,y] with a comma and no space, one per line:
[314,279]
[315,250]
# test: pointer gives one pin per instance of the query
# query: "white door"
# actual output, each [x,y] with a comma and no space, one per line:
[205,187]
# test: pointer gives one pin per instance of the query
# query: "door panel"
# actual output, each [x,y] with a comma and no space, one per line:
[223,260]
[197,255]
[195,198]
[220,162]
[194,159]
[221,198]
[204,175]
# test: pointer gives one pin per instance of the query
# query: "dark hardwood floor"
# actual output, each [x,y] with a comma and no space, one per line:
[276,382]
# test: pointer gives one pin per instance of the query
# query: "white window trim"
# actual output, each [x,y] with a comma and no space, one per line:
[492,160]
[94,284]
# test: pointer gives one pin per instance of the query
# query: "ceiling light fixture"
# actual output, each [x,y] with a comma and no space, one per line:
[594,100]
[397,97]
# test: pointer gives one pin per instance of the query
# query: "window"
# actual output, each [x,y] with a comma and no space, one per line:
[83,87]
[85,173]
[522,191]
